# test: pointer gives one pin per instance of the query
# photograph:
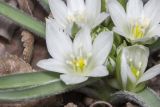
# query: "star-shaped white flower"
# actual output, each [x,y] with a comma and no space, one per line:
[134,61]
[78,59]
[139,23]
[81,12]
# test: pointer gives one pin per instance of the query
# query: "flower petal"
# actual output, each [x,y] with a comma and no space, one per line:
[59,44]
[75,5]
[149,74]
[154,31]
[151,11]
[83,40]
[99,71]
[93,5]
[134,9]
[121,32]
[102,46]
[72,79]
[125,70]
[59,11]
[99,19]
[118,14]
[139,56]
[53,65]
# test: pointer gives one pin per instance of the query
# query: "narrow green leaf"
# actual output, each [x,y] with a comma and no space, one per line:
[103,6]
[123,2]
[23,19]
[149,97]
[145,98]
[27,80]
[44,4]
[41,91]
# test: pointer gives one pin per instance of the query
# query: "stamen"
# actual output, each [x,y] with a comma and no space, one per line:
[139,28]
[140,64]
[138,31]
[77,16]
[69,62]
[130,60]
[78,64]
[135,71]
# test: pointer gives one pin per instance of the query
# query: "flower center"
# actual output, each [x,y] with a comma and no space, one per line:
[79,64]
[138,31]
[79,61]
[136,71]
[139,28]
[77,17]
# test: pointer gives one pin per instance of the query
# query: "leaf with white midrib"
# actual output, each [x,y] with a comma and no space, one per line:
[27,80]
[41,91]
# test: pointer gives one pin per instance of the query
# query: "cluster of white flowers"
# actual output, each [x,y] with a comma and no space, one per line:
[81,57]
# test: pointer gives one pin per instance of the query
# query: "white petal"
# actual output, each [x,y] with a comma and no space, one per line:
[72,79]
[149,74]
[145,39]
[139,56]
[120,32]
[151,10]
[93,5]
[75,5]
[59,11]
[99,71]
[154,31]
[134,9]
[99,19]
[102,46]
[125,70]
[52,65]
[83,40]
[58,43]
[118,14]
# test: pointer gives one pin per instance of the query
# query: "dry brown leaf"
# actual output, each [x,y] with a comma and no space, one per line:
[40,52]
[27,37]
[70,105]
[26,5]
[12,64]
[7,27]
[88,101]
[28,43]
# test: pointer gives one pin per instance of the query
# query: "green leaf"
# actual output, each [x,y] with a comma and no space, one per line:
[150,97]
[44,4]
[23,19]
[40,91]
[145,98]
[123,3]
[27,80]
[103,6]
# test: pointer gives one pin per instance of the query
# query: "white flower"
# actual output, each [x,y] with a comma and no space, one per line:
[79,59]
[134,61]
[139,23]
[77,11]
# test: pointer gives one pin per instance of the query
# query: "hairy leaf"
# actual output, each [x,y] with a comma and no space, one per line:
[46,88]
[27,80]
